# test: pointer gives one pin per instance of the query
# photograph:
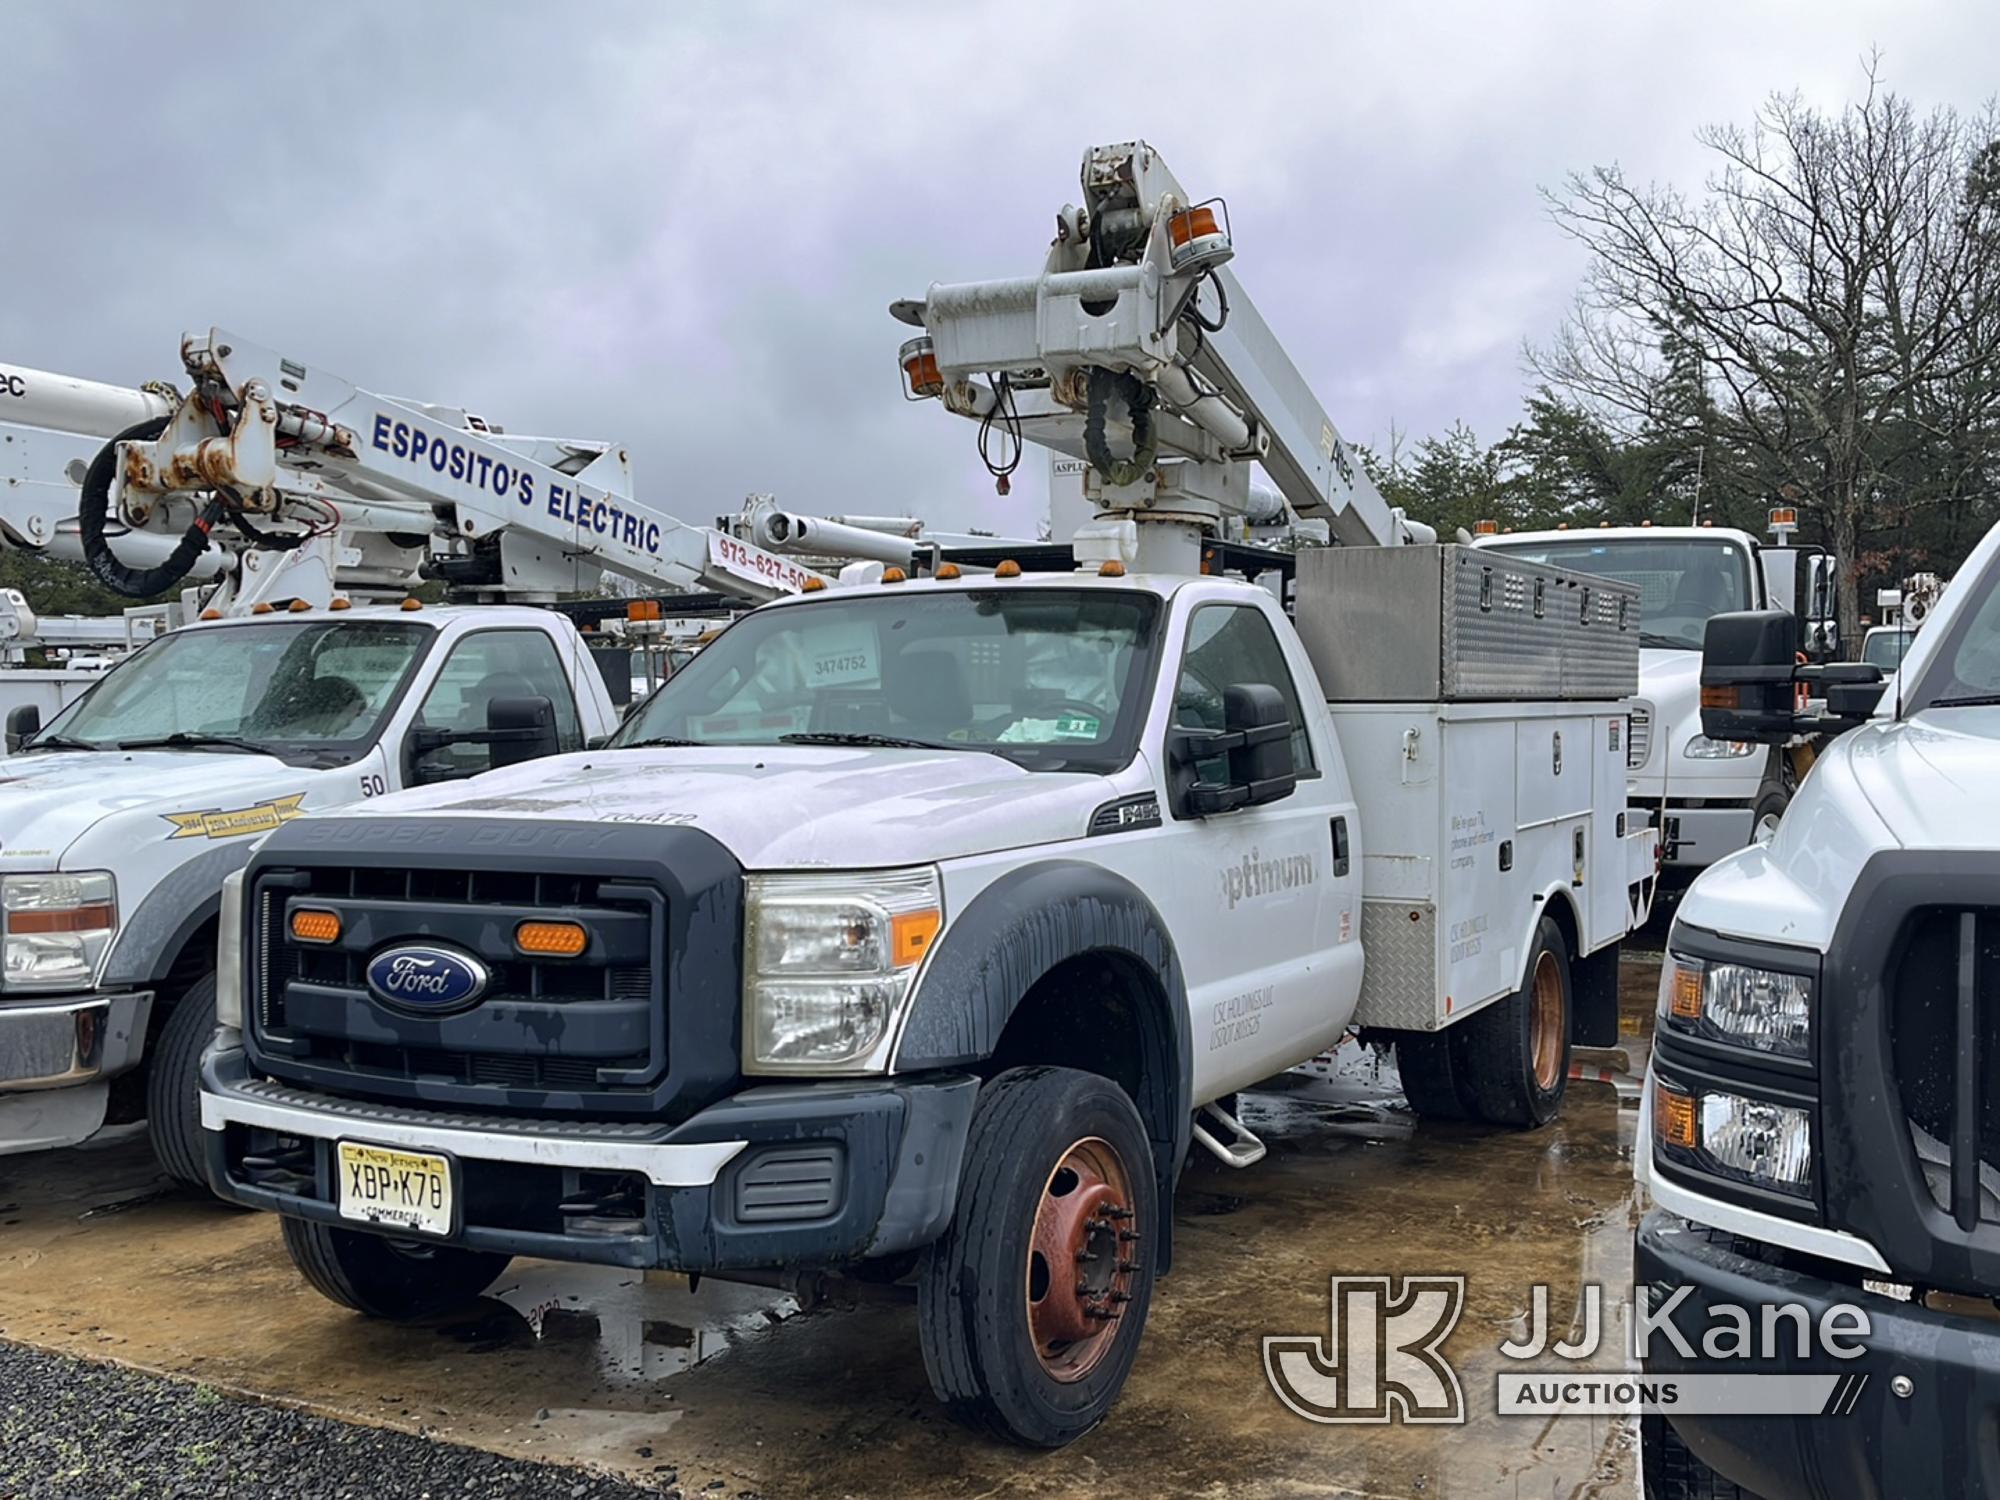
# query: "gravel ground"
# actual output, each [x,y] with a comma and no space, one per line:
[78,1431]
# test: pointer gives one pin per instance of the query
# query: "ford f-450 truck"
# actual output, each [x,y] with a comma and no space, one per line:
[928,921]
[1822,1125]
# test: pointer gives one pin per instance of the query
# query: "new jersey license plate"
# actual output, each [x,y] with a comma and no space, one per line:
[408,1189]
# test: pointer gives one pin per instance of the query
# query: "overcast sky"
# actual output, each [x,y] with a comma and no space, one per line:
[679,225]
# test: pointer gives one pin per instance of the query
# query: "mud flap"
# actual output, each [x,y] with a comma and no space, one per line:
[1593,984]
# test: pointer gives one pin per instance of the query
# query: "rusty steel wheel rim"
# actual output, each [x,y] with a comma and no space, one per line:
[1082,1255]
[1547,1023]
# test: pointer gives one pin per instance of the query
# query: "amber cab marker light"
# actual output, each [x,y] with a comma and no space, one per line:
[812,585]
[910,935]
[946,573]
[412,603]
[1673,1117]
[310,925]
[1008,569]
[893,575]
[551,939]
[299,606]
[341,603]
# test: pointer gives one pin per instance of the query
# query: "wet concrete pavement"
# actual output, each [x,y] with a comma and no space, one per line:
[736,1387]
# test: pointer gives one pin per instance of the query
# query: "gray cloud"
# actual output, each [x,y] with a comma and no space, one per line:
[679,226]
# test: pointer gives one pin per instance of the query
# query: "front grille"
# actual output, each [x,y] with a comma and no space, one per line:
[1945,1043]
[586,1025]
[1639,735]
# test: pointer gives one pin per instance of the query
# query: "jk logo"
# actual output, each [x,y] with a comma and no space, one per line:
[1380,1362]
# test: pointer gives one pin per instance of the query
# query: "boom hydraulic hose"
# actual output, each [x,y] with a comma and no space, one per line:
[93,508]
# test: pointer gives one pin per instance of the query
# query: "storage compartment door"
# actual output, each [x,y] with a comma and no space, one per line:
[1554,767]
[1476,927]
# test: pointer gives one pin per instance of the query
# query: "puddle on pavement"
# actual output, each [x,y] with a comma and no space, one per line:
[736,1385]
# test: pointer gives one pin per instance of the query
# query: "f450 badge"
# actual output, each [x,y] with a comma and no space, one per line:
[233,822]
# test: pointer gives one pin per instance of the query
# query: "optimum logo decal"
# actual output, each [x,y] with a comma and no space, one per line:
[1252,876]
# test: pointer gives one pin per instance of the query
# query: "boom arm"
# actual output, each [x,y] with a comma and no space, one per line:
[1138,351]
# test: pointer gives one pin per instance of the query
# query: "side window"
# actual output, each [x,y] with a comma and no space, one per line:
[1228,644]
[483,666]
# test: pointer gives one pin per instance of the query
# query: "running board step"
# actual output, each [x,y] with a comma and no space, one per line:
[1242,1149]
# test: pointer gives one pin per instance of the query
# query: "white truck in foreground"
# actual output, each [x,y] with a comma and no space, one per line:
[1822,1118]
[1706,796]
[307,508]
[926,925]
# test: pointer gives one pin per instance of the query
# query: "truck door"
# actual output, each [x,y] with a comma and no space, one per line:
[485,665]
[1269,909]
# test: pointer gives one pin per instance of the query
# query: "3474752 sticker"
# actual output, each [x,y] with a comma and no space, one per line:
[232,822]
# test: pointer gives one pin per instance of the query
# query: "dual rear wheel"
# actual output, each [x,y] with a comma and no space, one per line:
[1509,1063]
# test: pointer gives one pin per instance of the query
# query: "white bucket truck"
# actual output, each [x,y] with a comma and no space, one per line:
[923,925]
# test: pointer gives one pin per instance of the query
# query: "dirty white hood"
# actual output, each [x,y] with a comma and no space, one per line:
[115,800]
[781,807]
[1934,778]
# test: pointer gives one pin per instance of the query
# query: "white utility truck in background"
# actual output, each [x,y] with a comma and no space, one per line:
[310,508]
[1821,1126]
[1705,796]
[923,926]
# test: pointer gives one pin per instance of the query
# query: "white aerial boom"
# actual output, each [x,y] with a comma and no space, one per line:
[282,463]
[1116,355]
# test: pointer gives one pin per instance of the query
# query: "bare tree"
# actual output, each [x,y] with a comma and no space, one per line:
[1836,282]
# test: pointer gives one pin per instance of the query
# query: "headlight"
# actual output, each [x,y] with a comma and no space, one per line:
[828,965]
[229,953]
[1735,1003]
[1728,1135]
[57,928]
[1701,747]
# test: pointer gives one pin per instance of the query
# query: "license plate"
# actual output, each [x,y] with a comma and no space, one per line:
[407,1189]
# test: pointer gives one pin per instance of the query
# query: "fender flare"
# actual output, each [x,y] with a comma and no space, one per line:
[1016,931]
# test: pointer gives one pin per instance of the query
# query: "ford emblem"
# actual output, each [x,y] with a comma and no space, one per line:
[422,978]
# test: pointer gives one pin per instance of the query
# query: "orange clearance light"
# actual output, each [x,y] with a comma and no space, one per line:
[310,925]
[1708,523]
[211,614]
[893,575]
[1673,1117]
[340,604]
[1485,528]
[948,571]
[1645,523]
[1111,568]
[1008,569]
[1603,525]
[551,939]
[299,606]
[643,609]
[1784,515]
[1720,697]
[918,357]
[413,602]
[260,608]
[812,585]
[1686,999]
[1562,526]
[910,935]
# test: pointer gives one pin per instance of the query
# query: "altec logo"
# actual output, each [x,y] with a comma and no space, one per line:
[1380,1361]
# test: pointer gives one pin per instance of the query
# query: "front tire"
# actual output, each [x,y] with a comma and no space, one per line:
[400,1280]
[1513,1056]
[173,1086]
[1032,1303]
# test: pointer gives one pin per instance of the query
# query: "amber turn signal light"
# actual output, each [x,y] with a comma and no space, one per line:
[1673,1117]
[310,925]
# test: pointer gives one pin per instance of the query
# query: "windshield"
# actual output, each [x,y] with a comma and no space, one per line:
[1681,581]
[315,687]
[1885,648]
[1964,669]
[1053,679]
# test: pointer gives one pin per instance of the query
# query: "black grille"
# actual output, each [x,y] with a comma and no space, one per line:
[1945,1041]
[588,1025]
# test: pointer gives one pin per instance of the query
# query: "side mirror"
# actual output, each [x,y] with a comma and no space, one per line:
[1852,690]
[1258,744]
[521,729]
[24,722]
[1748,662]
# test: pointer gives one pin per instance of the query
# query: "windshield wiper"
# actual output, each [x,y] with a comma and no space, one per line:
[669,741]
[1970,700]
[180,739]
[872,741]
[59,742]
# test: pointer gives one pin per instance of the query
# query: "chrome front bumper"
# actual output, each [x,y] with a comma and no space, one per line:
[64,1040]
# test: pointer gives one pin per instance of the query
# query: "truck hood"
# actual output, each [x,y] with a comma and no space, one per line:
[783,807]
[1931,777]
[1923,783]
[50,800]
